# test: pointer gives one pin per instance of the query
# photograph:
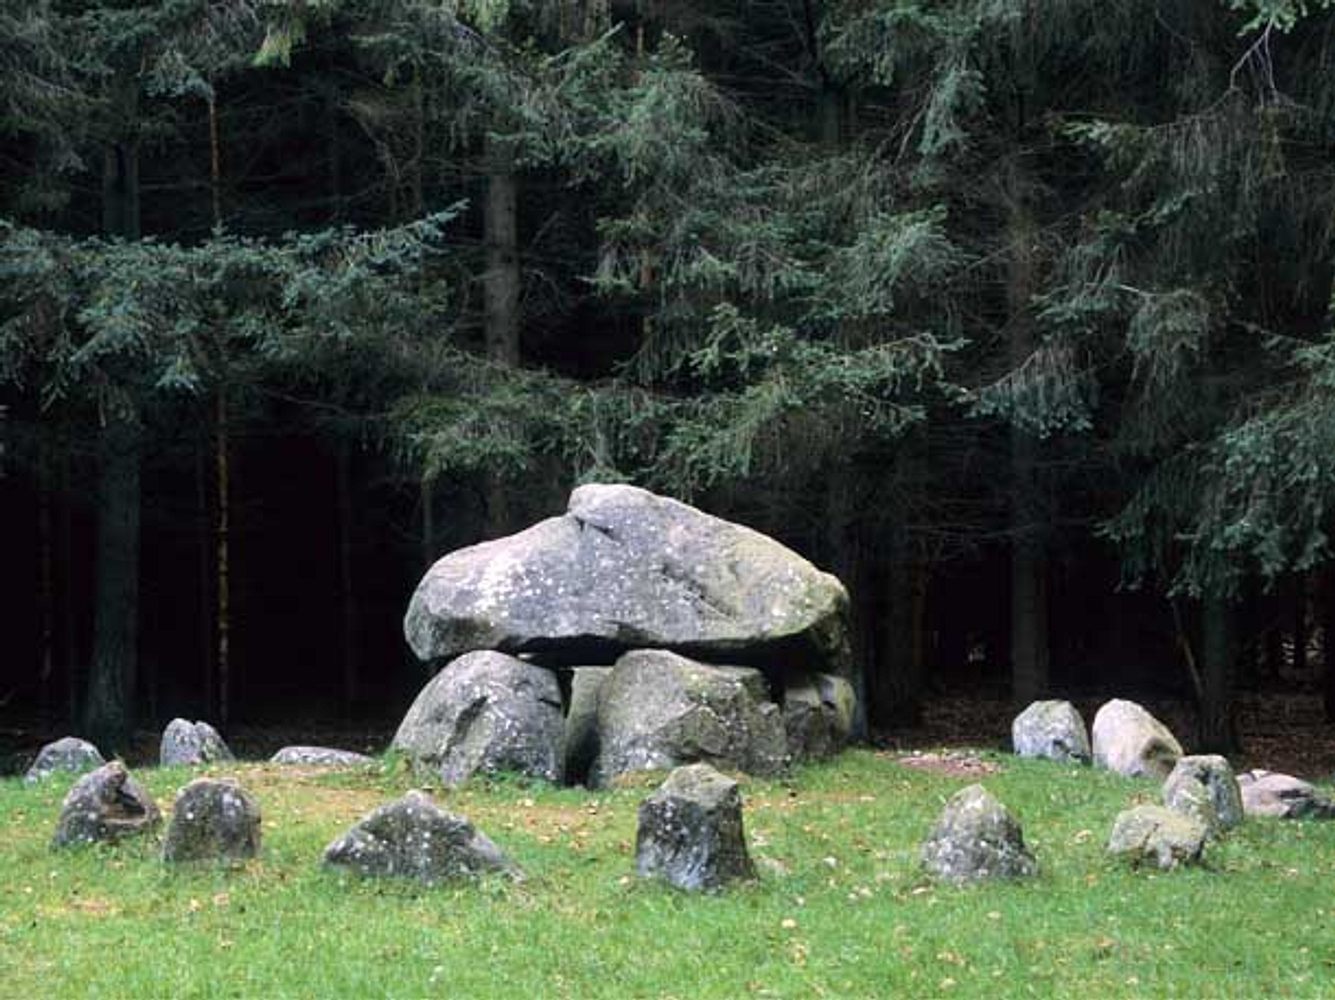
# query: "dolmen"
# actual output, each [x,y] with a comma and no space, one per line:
[631,632]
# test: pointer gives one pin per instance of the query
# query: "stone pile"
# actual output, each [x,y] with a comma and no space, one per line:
[683,638]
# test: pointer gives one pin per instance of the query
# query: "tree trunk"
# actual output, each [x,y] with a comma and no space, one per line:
[1216,730]
[109,705]
[69,632]
[46,580]
[215,165]
[347,598]
[1326,609]
[901,638]
[223,542]
[204,570]
[1029,562]
[1300,632]
[844,544]
[501,291]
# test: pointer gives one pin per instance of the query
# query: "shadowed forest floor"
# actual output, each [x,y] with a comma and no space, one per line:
[1280,732]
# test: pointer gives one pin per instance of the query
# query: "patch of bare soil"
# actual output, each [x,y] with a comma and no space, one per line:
[951,763]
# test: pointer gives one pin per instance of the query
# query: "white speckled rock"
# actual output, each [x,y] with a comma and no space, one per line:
[70,755]
[976,839]
[412,838]
[213,820]
[321,757]
[1130,741]
[191,743]
[1268,793]
[690,833]
[1204,786]
[486,712]
[623,569]
[1052,730]
[105,805]
[817,714]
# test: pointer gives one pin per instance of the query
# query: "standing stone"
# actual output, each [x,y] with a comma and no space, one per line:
[624,569]
[976,839]
[105,805]
[690,831]
[213,819]
[1204,786]
[320,757]
[486,712]
[1158,834]
[1130,741]
[412,838]
[192,743]
[1266,793]
[581,735]
[659,710]
[817,715]
[1053,730]
[70,754]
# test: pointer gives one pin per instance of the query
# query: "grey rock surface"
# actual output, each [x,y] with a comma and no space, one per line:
[1053,730]
[412,838]
[321,757]
[1129,740]
[690,831]
[191,743]
[624,569]
[486,712]
[105,805]
[976,839]
[213,820]
[659,710]
[69,754]
[817,715]
[1268,793]
[581,732]
[1204,786]
[1158,835]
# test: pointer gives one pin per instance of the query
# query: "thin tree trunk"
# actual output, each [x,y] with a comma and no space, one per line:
[1216,731]
[109,706]
[215,165]
[1029,564]
[1300,631]
[501,290]
[69,635]
[46,583]
[347,597]
[1326,609]
[223,541]
[204,569]
[901,645]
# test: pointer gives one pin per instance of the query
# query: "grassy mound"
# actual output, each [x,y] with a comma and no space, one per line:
[841,907]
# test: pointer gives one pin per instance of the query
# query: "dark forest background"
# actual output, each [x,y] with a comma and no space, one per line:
[1015,314]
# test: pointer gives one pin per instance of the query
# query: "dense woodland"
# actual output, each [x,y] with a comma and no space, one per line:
[1016,314]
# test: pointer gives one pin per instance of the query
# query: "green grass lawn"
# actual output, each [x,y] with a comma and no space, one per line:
[841,907]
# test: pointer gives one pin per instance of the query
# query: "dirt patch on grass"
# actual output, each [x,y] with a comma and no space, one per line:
[950,763]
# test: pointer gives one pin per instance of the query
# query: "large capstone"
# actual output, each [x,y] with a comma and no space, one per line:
[105,805]
[1051,729]
[213,820]
[1130,741]
[412,838]
[659,710]
[1157,835]
[69,755]
[976,839]
[191,743]
[486,712]
[625,569]
[1205,787]
[690,831]
[817,714]
[321,757]
[1268,793]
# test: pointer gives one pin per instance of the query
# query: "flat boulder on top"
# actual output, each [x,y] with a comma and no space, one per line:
[414,839]
[690,831]
[1267,793]
[320,757]
[1053,730]
[70,754]
[1130,741]
[190,743]
[105,805]
[658,710]
[625,569]
[976,839]
[1158,834]
[1204,786]
[213,819]
[486,712]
